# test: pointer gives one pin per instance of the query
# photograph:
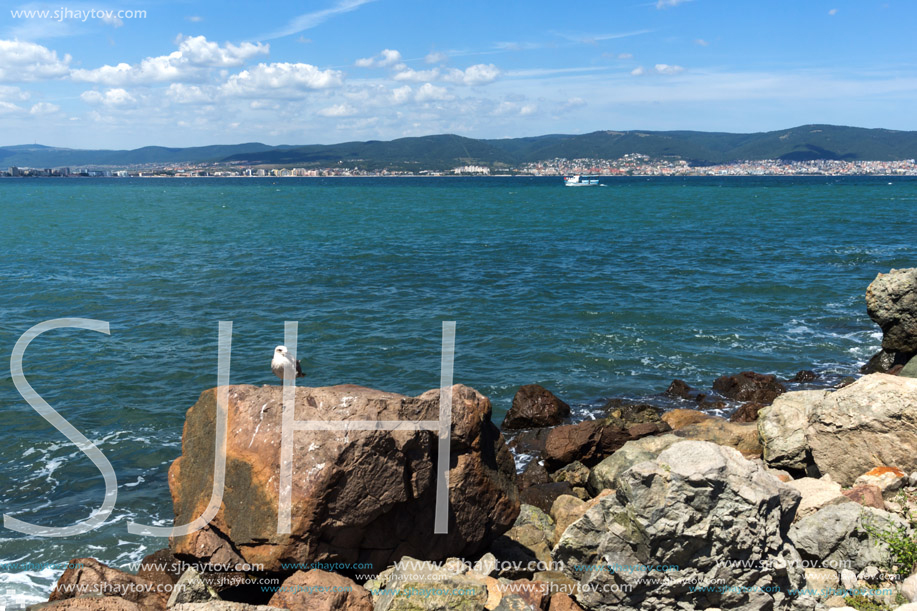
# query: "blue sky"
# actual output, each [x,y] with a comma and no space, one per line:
[323,71]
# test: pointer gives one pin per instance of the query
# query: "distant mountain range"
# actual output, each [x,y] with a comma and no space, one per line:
[808,142]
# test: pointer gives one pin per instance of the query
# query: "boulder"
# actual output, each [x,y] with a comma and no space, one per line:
[679,389]
[694,508]
[741,436]
[358,496]
[563,602]
[910,369]
[816,493]
[782,429]
[88,603]
[535,406]
[837,536]
[535,593]
[680,418]
[317,590]
[576,474]
[603,474]
[590,441]
[533,474]
[886,479]
[891,301]
[909,588]
[222,605]
[512,602]
[90,577]
[542,495]
[747,412]
[529,442]
[867,495]
[871,423]
[161,567]
[416,585]
[566,510]
[749,386]
[803,376]
[191,588]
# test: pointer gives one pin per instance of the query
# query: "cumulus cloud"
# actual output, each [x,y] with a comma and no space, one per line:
[188,94]
[194,56]
[667,69]
[338,110]
[479,74]
[436,58]
[26,61]
[402,94]
[418,76]
[638,71]
[283,80]
[388,57]
[116,97]
[429,92]
[44,108]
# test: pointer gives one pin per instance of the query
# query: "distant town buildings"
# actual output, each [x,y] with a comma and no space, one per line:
[628,165]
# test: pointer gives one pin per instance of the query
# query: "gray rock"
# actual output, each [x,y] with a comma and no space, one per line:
[782,429]
[603,474]
[909,370]
[415,585]
[191,589]
[891,301]
[697,507]
[816,493]
[871,423]
[513,602]
[848,579]
[909,588]
[870,574]
[836,536]
[912,479]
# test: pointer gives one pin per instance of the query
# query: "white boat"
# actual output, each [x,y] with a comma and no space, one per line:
[579,181]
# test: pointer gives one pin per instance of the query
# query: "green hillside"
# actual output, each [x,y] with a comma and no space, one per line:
[441,152]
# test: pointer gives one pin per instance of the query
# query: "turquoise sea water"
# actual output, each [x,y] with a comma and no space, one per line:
[594,293]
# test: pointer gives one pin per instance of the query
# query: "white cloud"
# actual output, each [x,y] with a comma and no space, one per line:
[429,92]
[8,108]
[195,18]
[44,108]
[402,94]
[479,74]
[188,94]
[833,12]
[189,63]
[338,110]
[667,69]
[113,98]
[625,55]
[26,61]
[436,57]
[418,76]
[701,42]
[310,20]
[13,93]
[638,71]
[281,80]
[201,52]
[660,4]
[528,109]
[388,57]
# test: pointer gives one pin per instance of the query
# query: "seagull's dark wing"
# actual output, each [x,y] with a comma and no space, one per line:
[299,373]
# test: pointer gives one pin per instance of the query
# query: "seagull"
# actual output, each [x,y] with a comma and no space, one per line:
[282,362]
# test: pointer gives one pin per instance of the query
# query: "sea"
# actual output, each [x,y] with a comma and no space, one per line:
[611,291]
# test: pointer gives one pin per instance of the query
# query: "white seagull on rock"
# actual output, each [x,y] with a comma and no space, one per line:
[282,363]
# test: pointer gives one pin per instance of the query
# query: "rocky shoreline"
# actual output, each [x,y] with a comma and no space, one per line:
[805,498]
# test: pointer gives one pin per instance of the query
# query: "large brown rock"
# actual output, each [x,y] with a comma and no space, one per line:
[750,386]
[741,436]
[161,567]
[321,591]
[891,301]
[358,496]
[535,406]
[591,441]
[90,577]
[680,418]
